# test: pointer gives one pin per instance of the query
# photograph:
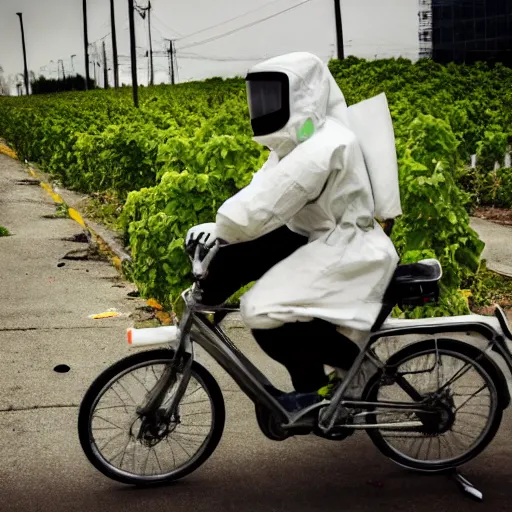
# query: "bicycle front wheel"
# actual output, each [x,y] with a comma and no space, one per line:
[457,385]
[145,450]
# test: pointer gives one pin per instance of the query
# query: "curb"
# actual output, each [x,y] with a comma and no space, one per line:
[7,151]
[105,239]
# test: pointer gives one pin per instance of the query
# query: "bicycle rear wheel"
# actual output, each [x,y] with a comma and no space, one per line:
[139,450]
[460,386]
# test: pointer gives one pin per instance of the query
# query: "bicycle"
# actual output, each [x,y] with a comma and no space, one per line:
[414,403]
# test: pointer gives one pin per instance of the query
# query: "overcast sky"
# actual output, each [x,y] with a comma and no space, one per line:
[54,30]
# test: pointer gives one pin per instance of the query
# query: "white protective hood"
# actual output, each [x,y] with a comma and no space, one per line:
[314,95]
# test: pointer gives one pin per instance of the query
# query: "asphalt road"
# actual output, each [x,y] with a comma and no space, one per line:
[44,322]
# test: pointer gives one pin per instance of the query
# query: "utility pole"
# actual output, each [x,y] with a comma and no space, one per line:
[170,51]
[94,70]
[105,68]
[62,65]
[152,72]
[86,45]
[20,15]
[114,44]
[133,54]
[339,30]
[169,60]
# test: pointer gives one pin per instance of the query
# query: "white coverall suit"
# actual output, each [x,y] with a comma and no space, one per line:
[316,183]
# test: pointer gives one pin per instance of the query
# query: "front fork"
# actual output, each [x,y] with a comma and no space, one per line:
[182,364]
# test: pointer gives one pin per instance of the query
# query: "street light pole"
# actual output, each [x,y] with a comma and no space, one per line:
[152,72]
[73,64]
[86,45]
[20,15]
[339,30]
[114,44]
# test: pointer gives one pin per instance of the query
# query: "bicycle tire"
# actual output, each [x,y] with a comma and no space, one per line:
[486,369]
[122,367]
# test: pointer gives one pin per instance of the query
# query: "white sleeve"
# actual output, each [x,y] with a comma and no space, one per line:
[277,194]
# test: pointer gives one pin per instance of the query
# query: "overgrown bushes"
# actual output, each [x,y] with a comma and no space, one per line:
[189,147]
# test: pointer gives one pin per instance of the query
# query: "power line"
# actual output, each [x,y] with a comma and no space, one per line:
[230,19]
[220,59]
[98,40]
[261,20]
[166,25]
[196,56]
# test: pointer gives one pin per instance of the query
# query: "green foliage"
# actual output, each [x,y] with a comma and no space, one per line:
[4,231]
[62,210]
[187,148]
[104,208]
[193,185]
[497,188]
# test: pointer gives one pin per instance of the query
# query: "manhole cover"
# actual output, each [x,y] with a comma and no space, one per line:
[62,368]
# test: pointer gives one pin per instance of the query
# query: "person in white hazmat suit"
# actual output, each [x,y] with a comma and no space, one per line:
[304,228]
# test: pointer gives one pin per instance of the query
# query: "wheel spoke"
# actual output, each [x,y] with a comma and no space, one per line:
[447,444]
[119,396]
[140,382]
[158,461]
[123,451]
[472,396]
[107,421]
[110,440]
[179,444]
[124,389]
[172,451]
[429,446]
[460,373]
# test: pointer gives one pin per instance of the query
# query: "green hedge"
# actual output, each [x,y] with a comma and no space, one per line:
[189,147]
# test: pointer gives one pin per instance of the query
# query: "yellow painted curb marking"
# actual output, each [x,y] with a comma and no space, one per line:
[75,215]
[8,151]
[50,191]
[165,318]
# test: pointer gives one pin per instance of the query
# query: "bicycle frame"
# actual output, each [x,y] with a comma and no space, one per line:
[195,327]
[258,388]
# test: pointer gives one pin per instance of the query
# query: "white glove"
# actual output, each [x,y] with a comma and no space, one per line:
[204,234]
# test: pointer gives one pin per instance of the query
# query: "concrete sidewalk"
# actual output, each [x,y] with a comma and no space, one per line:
[498,245]
[44,322]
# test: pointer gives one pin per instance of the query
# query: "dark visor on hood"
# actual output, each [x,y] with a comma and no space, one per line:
[268,96]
